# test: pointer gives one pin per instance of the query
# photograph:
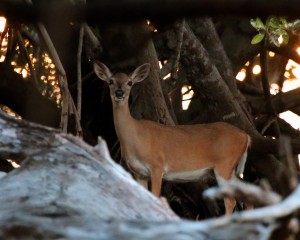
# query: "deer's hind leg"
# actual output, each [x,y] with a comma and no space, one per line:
[156,180]
[229,202]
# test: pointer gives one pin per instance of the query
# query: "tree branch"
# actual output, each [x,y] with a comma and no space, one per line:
[79,77]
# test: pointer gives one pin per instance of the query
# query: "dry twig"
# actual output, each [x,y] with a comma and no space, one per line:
[245,192]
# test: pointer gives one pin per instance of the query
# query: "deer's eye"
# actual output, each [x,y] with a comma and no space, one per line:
[130,83]
[110,82]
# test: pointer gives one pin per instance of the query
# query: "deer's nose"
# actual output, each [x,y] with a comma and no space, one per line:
[119,93]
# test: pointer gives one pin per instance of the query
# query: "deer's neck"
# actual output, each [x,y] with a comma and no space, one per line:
[124,122]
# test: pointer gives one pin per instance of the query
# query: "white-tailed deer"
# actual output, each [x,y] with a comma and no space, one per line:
[175,153]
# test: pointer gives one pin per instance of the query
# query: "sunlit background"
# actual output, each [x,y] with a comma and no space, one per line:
[2,23]
[290,83]
[48,85]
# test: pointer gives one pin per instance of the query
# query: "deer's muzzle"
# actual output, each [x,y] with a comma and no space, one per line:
[119,94]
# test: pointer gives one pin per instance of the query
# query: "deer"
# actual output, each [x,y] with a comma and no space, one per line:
[179,153]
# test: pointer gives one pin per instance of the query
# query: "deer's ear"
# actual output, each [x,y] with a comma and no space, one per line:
[102,71]
[140,73]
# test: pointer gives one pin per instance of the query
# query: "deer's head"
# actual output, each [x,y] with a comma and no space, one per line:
[120,83]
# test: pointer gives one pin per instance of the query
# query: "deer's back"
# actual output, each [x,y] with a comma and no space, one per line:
[186,147]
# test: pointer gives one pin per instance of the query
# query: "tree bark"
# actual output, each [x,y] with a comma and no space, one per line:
[207,82]
[151,101]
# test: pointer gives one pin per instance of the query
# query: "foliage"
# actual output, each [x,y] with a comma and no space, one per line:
[273,29]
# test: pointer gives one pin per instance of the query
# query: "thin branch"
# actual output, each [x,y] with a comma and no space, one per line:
[266,85]
[65,101]
[290,205]
[180,30]
[287,157]
[77,111]
[269,122]
[77,118]
[10,44]
[245,192]
[25,54]
[79,77]
[51,48]
[91,36]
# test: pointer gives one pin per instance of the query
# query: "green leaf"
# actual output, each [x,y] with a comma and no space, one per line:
[293,25]
[273,22]
[274,40]
[276,43]
[279,31]
[257,38]
[268,22]
[285,38]
[283,21]
[257,23]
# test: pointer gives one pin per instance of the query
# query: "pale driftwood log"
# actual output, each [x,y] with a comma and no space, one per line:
[62,175]
[65,189]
